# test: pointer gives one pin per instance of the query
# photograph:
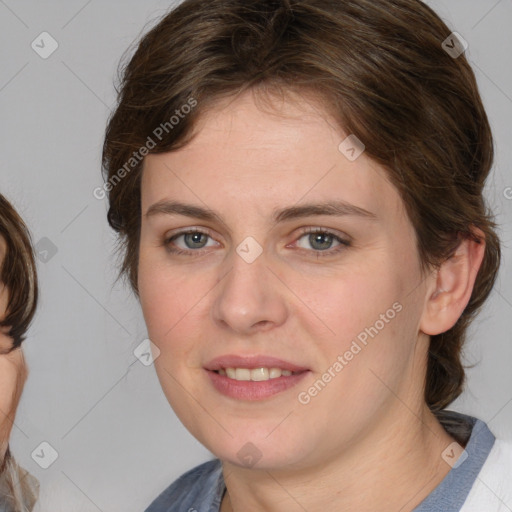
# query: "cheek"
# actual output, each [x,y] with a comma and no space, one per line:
[5,341]
[172,305]
[369,318]
[350,301]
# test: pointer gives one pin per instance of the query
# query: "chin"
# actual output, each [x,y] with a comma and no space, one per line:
[259,452]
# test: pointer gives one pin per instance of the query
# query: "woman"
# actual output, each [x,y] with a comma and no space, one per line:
[298,186]
[18,300]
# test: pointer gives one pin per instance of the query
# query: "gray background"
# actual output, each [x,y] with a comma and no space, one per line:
[118,442]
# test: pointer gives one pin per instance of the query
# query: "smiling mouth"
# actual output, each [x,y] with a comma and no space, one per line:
[241,379]
[255,374]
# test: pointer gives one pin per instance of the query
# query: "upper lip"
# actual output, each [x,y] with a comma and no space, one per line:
[251,362]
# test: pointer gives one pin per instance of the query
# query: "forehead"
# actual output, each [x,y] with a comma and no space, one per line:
[269,154]
[255,124]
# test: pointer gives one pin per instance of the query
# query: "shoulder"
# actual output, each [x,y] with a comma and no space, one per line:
[492,490]
[197,489]
[12,477]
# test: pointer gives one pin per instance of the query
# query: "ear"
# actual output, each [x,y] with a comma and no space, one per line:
[452,286]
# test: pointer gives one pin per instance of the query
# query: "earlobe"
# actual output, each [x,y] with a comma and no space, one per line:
[453,285]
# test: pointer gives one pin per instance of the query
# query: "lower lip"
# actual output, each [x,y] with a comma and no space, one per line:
[253,390]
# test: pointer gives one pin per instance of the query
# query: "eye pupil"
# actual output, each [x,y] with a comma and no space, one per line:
[194,238]
[320,237]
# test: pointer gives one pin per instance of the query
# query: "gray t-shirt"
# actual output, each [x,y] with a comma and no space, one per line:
[201,489]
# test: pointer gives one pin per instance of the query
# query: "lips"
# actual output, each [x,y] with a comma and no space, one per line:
[252,362]
[286,375]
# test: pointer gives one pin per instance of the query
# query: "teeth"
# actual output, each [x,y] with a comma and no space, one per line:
[256,374]
[275,372]
[242,374]
[259,374]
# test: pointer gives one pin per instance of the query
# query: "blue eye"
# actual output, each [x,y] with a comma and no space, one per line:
[195,241]
[321,241]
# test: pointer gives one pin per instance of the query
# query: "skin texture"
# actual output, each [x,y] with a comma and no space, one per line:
[13,372]
[367,441]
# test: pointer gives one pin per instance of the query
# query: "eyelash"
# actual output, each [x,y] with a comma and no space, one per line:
[306,231]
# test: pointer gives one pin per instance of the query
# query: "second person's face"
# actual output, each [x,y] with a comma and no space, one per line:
[5,341]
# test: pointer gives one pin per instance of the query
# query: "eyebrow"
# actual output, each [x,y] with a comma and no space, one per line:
[331,208]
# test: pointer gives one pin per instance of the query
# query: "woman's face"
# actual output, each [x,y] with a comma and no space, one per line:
[342,307]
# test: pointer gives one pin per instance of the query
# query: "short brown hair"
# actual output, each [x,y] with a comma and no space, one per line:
[18,273]
[381,71]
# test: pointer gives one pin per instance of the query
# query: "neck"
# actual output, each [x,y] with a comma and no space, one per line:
[394,467]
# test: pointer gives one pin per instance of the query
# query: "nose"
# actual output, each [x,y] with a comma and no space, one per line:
[250,298]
